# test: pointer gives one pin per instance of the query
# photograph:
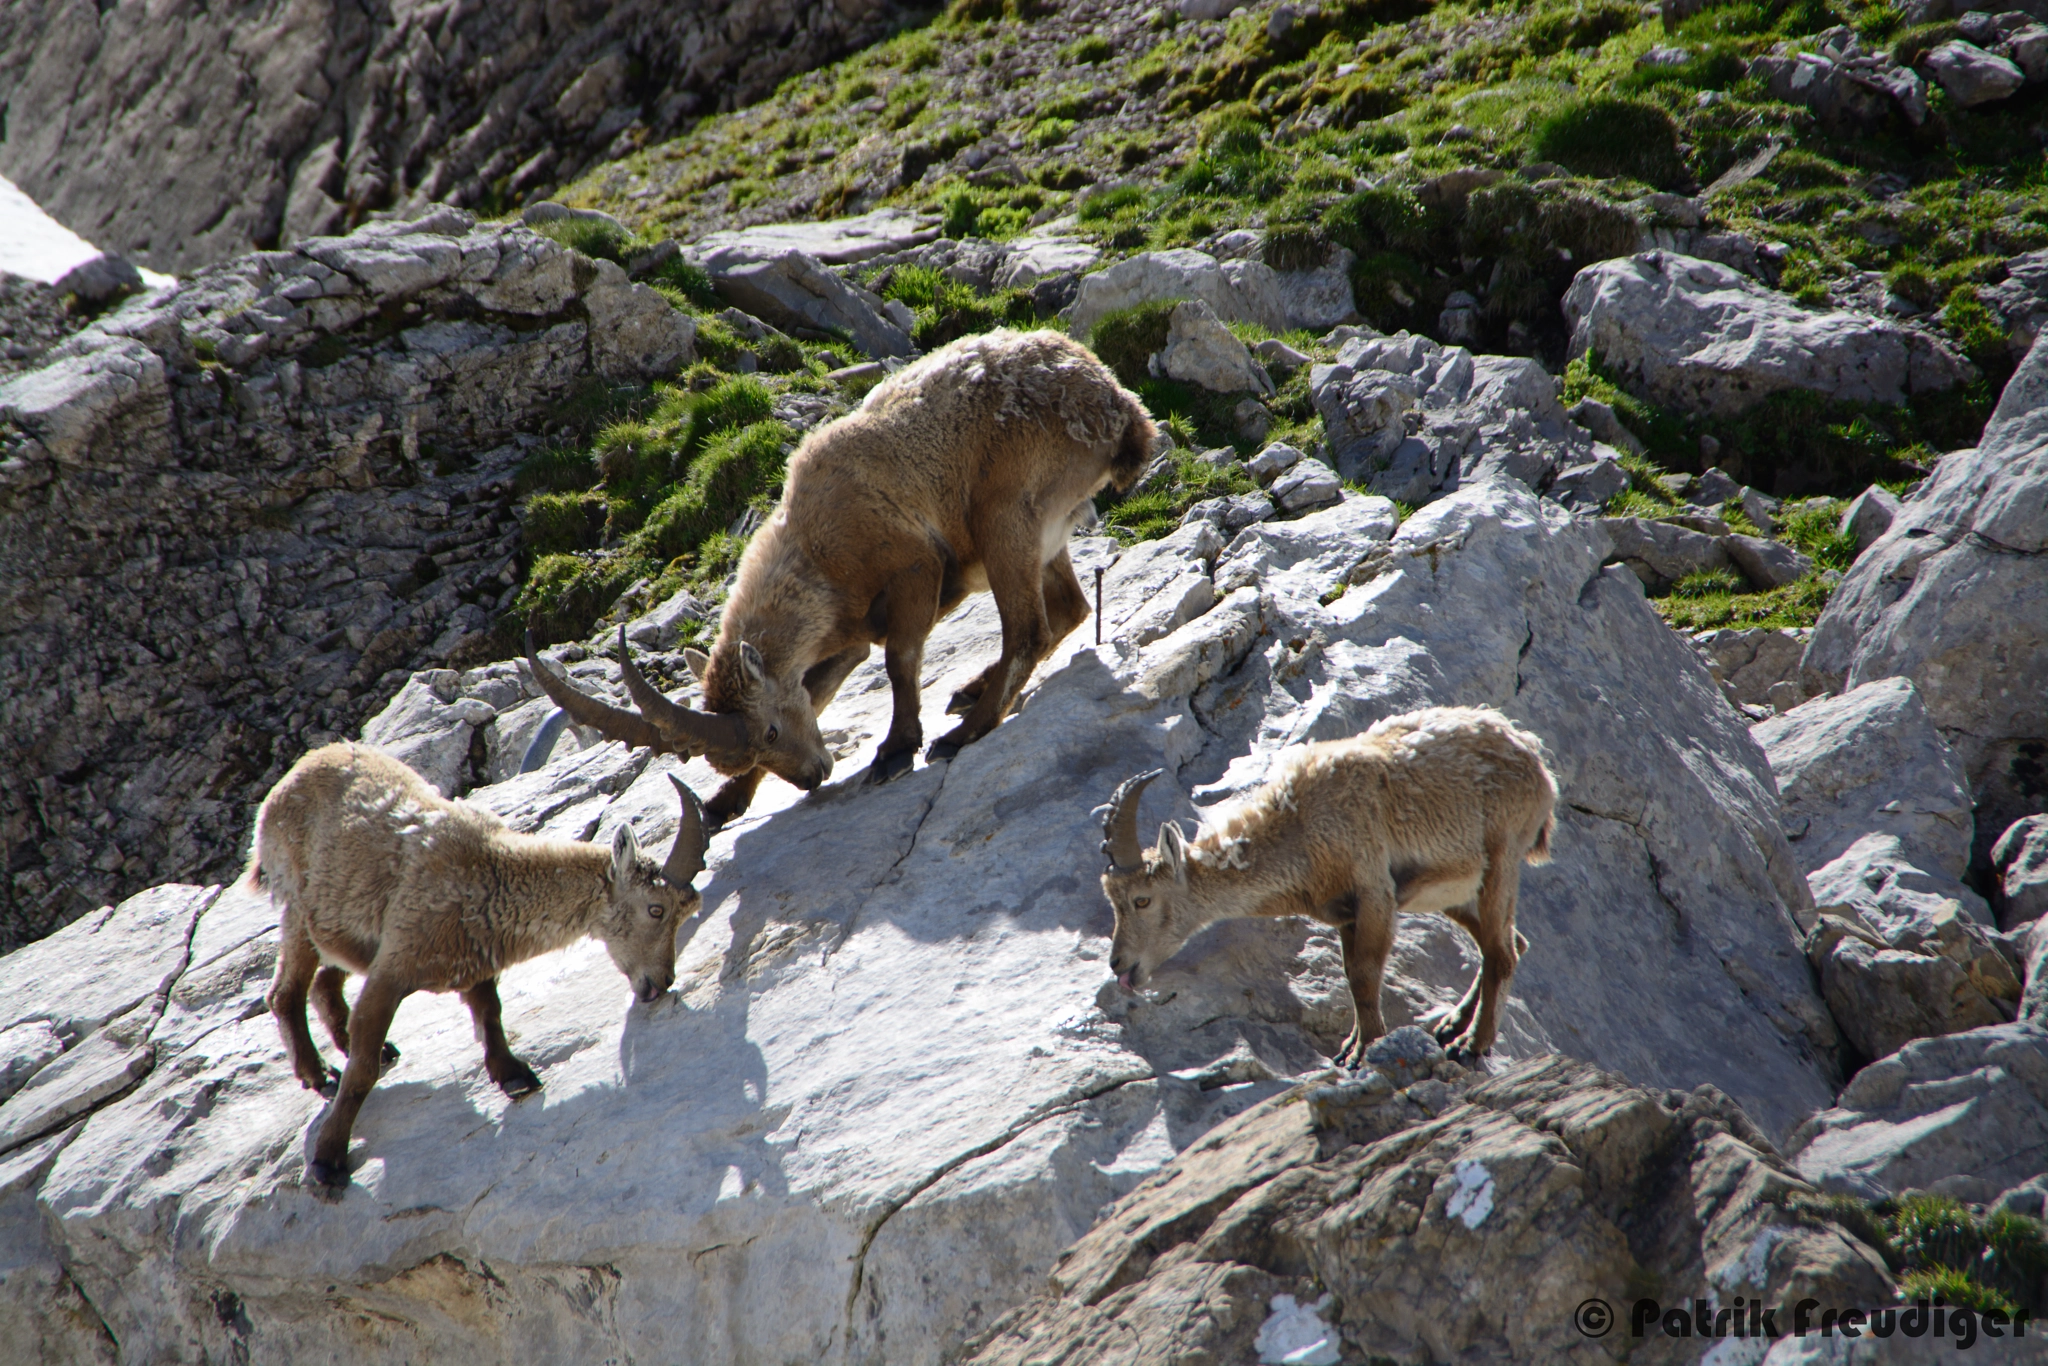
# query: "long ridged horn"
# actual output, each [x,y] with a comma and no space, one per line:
[686,855]
[1120,824]
[614,723]
[697,729]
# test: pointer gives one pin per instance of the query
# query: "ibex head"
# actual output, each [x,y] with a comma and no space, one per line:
[650,901]
[771,726]
[781,728]
[1147,888]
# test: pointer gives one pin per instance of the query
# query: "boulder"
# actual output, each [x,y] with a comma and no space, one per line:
[1709,341]
[1970,75]
[1845,91]
[834,242]
[1232,514]
[660,628]
[2021,298]
[1601,420]
[1587,487]
[1319,298]
[1749,663]
[543,211]
[1236,291]
[1411,419]
[103,278]
[1201,350]
[1269,463]
[1252,418]
[1661,553]
[798,294]
[1309,484]
[1951,597]
[1766,564]
[428,727]
[1869,515]
[2027,48]
[1944,976]
[1963,1115]
[758,1166]
[2019,864]
[1870,761]
[1039,256]
[1378,1224]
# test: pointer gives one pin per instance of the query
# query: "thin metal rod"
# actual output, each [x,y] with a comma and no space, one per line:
[1098,604]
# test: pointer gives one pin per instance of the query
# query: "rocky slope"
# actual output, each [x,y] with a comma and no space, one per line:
[237,515]
[182,138]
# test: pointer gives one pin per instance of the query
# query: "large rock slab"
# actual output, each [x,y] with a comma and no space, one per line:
[1870,761]
[1236,291]
[796,293]
[849,1133]
[282,120]
[1965,1115]
[1708,340]
[285,485]
[836,241]
[1952,595]
[1398,1211]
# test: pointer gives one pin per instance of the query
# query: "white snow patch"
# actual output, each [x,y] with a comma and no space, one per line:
[1472,1201]
[1295,1335]
[36,246]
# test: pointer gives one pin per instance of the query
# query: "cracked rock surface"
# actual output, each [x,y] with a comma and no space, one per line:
[894,1079]
[1953,595]
[225,539]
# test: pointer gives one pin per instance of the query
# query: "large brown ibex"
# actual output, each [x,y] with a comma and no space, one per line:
[967,470]
[1435,810]
[377,873]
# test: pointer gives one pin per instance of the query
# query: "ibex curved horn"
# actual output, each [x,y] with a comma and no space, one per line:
[614,723]
[686,856]
[1120,824]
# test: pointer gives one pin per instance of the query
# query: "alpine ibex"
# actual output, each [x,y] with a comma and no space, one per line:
[966,470]
[379,874]
[1435,810]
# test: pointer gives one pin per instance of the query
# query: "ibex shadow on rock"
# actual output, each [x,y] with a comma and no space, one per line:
[1435,810]
[377,873]
[967,470]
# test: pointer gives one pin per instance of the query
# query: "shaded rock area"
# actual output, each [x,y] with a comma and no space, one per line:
[1409,1207]
[848,1133]
[235,517]
[1952,596]
[286,120]
[1705,339]
[33,318]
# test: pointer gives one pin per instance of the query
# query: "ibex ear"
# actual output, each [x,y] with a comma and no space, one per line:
[625,852]
[1173,851]
[699,662]
[751,661]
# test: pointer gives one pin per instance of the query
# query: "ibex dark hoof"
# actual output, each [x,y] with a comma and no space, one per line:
[887,766]
[519,1084]
[390,1054]
[329,1085]
[322,1175]
[963,702]
[946,746]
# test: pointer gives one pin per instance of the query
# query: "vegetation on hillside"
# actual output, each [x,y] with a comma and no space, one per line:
[1576,127]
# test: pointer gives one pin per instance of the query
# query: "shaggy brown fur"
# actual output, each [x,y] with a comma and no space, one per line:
[967,470]
[377,873]
[1435,810]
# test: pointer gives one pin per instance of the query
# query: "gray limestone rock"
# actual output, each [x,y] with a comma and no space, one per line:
[1869,515]
[1201,350]
[1587,487]
[300,468]
[1766,564]
[2019,863]
[1309,484]
[1236,291]
[798,294]
[1951,597]
[1661,553]
[1707,340]
[834,242]
[1748,664]
[1970,75]
[771,1101]
[1963,1115]
[273,122]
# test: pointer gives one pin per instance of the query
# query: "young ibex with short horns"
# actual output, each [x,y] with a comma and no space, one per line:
[1435,810]
[967,470]
[379,874]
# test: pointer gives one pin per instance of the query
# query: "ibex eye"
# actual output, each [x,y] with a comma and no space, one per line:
[1141,902]
[774,733]
[656,910]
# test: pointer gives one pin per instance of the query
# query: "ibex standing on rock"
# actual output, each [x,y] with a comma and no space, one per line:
[1435,810]
[967,470]
[379,874]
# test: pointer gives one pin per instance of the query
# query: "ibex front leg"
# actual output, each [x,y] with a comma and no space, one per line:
[1368,938]
[367,1026]
[514,1077]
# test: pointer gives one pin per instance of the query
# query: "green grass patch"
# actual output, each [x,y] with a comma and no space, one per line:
[1157,511]
[1125,338]
[1607,135]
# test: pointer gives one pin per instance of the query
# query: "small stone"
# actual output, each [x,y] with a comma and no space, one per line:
[1405,1055]
[1710,447]
[1253,419]
[1766,564]
[1272,460]
[1869,516]
[1310,484]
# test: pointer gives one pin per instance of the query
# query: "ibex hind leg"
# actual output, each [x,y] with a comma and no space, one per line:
[1499,946]
[1015,579]
[1066,606]
[332,1007]
[297,962]
[1448,1022]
